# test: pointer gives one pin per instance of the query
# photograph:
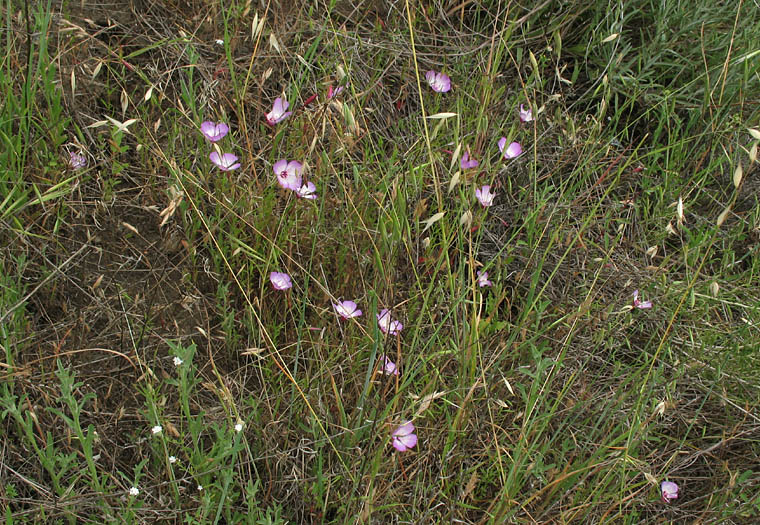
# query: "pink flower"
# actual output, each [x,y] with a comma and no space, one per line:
[440,82]
[307,191]
[77,161]
[638,303]
[332,93]
[404,438]
[279,111]
[214,132]
[484,196]
[288,174]
[389,367]
[512,151]
[466,162]
[386,324]
[526,115]
[347,309]
[225,161]
[483,279]
[280,281]
[669,491]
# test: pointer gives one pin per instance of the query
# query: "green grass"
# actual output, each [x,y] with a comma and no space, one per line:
[135,292]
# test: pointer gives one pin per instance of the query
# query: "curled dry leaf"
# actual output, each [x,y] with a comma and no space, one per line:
[466,219]
[426,401]
[432,220]
[738,173]
[454,180]
[723,216]
[130,227]
[679,211]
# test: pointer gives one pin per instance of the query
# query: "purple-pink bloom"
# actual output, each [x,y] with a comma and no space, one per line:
[466,162]
[440,82]
[280,280]
[386,324]
[484,196]
[333,92]
[483,279]
[77,161]
[404,438]
[347,309]
[288,174]
[307,191]
[637,303]
[389,367]
[526,115]
[279,111]
[512,151]
[225,161]
[669,491]
[214,132]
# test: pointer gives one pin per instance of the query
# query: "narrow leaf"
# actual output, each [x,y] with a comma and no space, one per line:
[442,115]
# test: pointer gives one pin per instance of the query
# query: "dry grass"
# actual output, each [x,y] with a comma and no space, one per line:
[548,401]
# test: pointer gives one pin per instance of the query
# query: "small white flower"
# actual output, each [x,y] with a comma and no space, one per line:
[200,488]
[157,429]
[239,427]
[134,491]
[172,459]
[220,42]
[177,361]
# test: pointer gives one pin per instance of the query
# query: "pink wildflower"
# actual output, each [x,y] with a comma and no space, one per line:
[637,303]
[404,438]
[214,132]
[484,196]
[466,162]
[440,82]
[526,115]
[77,161]
[386,324]
[307,191]
[347,309]
[512,151]
[279,111]
[280,280]
[669,491]
[333,92]
[389,367]
[483,279]
[225,161]
[288,174]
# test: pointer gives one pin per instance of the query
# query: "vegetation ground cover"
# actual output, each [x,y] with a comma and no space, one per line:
[155,370]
